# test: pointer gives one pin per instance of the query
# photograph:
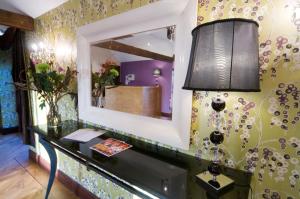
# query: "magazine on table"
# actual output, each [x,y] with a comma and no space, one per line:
[110,147]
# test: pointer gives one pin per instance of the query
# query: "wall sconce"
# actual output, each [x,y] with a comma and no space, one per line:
[34,47]
[224,57]
[156,72]
[42,53]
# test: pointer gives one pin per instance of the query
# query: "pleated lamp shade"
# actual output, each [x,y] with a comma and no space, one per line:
[224,57]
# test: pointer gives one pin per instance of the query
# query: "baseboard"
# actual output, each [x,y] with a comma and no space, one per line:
[68,182]
[9,130]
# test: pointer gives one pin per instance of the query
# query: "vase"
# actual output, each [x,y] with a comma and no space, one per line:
[53,117]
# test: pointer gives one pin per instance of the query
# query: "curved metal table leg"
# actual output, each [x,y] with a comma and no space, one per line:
[53,162]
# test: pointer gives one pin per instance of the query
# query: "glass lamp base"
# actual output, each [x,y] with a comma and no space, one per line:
[218,186]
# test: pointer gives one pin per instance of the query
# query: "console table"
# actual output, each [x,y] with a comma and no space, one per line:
[146,170]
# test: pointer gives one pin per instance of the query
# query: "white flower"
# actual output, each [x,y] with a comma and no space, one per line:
[230,163]
[277,52]
[255,155]
[277,122]
[294,161]
[271,174]
[285,164]
[292,178]
[246,11]
[246,135]
[236,105]
[262,171]
[280,158]
[263,161]
[298,142]
[272,100]
[292,182]
[245,130]
[293,140]
[272,109]
[280,173]
[252,169]
[284,170]
[277,155]
[279,179]
[248,155]
[233,5]
[268,47]
[295,172]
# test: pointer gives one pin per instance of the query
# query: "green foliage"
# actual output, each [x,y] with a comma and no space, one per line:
[42,67]
[108,78]
[50,84]
[114,72]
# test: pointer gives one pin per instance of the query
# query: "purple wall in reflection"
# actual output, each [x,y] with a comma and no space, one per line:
[143,77]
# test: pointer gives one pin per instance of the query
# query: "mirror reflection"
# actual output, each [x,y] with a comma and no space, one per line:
[134,73]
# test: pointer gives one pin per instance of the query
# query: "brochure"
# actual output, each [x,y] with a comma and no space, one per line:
[110,147]
[84,135]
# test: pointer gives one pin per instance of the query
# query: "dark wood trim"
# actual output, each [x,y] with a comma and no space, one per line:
[124,48]
[9,130]
[68,182]
[16,20]
[166,114]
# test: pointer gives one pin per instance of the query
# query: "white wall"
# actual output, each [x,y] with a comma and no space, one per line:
[99,56]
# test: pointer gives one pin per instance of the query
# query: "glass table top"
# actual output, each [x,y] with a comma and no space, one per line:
[147,170]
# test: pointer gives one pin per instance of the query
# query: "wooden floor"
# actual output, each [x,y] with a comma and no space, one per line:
[21,178]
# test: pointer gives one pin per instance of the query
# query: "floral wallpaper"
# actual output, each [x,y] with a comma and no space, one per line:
[57,30]
[261,129]
[264,126]
[8,114]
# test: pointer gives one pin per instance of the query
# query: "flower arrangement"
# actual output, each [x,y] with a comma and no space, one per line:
[51,83]
[107,76]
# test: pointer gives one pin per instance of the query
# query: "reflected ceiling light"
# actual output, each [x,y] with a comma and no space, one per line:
[1,32]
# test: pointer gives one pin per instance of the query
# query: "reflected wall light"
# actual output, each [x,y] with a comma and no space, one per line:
[34,47]
[2,29]
[224,57]
[156,72]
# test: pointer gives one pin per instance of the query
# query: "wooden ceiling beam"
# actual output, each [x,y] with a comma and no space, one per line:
[124,48]
[16,20]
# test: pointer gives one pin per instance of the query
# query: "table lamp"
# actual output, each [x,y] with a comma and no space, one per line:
[224,57]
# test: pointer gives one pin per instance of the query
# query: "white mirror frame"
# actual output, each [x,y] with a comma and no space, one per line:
[183,14]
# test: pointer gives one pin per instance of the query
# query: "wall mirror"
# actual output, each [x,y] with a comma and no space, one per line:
[131,71]
[134,73]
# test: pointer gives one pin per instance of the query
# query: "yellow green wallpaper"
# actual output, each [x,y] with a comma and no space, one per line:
[262,129]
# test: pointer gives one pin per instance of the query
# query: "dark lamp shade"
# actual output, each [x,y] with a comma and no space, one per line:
[224,57]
